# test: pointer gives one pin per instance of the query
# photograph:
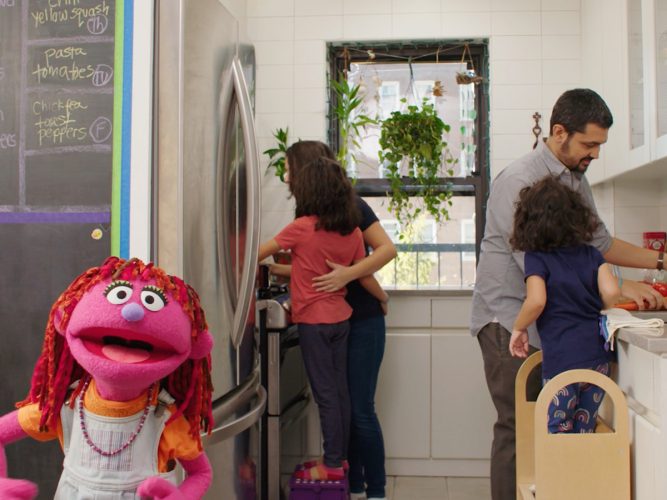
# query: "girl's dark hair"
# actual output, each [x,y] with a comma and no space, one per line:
[577,108]
[549,215]
[302,153]
[322,189]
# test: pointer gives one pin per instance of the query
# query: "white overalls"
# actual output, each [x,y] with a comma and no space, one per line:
[87,475]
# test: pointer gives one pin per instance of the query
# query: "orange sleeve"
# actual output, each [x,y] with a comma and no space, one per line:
[176,443]
[29,417]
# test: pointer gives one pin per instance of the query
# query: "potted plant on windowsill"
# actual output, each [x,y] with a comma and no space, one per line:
[414,154]
[349,112]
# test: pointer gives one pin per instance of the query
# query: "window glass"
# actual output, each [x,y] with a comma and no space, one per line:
[390,78]
[384,86]
[431,256]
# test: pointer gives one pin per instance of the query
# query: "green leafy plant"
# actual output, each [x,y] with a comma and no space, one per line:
[350,119]
[414,153]
[277,155]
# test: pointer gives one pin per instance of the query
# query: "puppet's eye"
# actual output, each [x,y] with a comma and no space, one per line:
[153,298]
[118,292]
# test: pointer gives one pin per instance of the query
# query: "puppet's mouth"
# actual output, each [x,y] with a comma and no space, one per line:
[124,347]
[125,351]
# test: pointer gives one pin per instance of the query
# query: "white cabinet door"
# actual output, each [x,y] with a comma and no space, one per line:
[645,458]
[462,414]
[404,395]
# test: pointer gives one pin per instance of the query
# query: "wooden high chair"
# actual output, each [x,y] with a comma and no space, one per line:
[525,429]
[582,466]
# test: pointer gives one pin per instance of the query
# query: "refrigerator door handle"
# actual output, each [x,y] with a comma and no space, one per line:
[223,250]
[240,424]
[247,285]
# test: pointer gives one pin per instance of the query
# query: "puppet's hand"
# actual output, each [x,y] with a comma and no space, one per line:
[198,472]
[12,489]
[17,489]
[157,488]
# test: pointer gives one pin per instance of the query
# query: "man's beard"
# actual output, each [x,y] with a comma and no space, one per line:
[580,166]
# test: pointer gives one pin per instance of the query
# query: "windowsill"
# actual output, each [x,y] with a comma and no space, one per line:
[430,293]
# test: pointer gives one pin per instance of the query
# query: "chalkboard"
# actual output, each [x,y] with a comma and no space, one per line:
[57,77]
[56,99]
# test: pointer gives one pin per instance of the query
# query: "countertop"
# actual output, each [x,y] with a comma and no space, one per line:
[650,343]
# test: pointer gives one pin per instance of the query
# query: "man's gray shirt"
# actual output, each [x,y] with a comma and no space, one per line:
[499,287]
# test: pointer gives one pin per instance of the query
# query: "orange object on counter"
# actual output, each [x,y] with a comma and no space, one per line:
[628,306]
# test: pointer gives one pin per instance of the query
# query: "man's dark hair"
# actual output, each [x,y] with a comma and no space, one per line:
[550,215]
[576,108]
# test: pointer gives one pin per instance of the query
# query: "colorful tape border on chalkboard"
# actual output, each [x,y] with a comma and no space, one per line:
[122,144]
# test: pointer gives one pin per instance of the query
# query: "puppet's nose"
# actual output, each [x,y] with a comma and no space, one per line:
[132,312]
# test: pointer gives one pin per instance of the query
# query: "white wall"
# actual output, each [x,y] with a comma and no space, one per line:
[535,54]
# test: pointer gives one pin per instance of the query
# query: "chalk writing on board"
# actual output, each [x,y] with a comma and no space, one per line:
[82,65]
[95,18]
[68,120]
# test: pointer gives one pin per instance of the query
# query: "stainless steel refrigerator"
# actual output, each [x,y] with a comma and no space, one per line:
[206,213]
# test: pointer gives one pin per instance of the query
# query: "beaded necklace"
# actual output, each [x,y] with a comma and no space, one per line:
[127,443]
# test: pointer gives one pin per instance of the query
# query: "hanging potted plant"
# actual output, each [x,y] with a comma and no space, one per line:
[414,153]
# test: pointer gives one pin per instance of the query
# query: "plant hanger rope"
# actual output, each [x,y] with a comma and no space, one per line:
[372,54]
[469,75]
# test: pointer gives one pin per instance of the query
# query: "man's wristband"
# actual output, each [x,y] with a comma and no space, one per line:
[661,261]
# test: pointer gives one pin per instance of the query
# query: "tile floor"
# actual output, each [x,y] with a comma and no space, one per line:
[438,488]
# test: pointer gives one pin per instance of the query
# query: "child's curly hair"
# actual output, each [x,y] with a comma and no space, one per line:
[550,215]
[56,368]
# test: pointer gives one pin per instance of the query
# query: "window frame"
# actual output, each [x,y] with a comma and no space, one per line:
[342,54]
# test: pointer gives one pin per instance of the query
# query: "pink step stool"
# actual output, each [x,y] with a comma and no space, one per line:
[311,489]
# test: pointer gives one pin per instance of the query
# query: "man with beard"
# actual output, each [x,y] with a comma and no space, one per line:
[579,124]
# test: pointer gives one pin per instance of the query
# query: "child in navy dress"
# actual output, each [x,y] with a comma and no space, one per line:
[567,284]
[325,229]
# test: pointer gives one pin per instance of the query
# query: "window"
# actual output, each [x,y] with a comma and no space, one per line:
[392,76]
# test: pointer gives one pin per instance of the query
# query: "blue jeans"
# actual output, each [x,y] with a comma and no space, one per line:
[366,452]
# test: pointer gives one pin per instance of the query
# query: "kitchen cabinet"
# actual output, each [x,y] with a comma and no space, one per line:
[642,375]
[436,413]
[625,59]
[404,395]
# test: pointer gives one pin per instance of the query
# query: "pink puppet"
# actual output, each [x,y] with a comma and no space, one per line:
[123,382]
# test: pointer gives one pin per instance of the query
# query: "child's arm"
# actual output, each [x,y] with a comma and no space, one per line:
[536,299]
[383,251]
[268,248]
[608,286]
[373,287]
[283,270]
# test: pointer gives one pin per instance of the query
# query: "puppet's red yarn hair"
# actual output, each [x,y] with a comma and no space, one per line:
[56,369]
